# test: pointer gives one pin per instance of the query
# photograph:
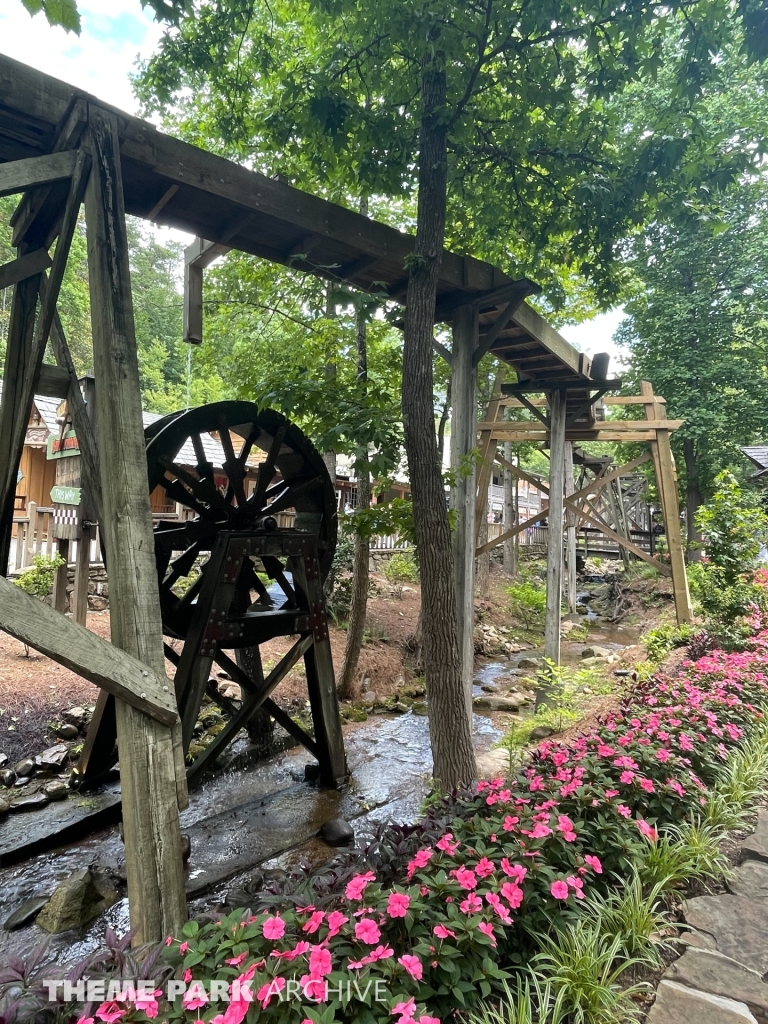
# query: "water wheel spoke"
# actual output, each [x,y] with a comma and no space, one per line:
[257,585]
[203,490]
[182,566]
[294,492]
[275,571]
[267,469]
[204,465]
[232,466]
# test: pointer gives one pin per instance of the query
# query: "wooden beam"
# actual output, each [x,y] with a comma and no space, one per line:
[164,199]
[442,351]
[36,624]
[487,445]
[570,530]
[512,532]
[53,382]
[667,480]
[557,407]
[616,426]
[525,287]
[597,484]
[19,175]
[152,779]
[535,325]
[623,541]
[23,267]
[515,403]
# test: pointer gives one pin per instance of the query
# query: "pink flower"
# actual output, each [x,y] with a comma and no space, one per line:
[484,867]
[624,811]
[442,932]
[397,904]
[313,988]
[487,929]
[559,890]
[446,845]
[465,878]
[380,953]
[626,777]
[273,928]
[516,871]
[404,1010]
[110,1012]
[187,975]
[320,961]
[193,998]
[183,948]
[266,992]
[594,863]
[356,887]
[426,1019]
[509,823]
[367,931]
[471,905]
[663,754]
[648,830]
[513,894]
[314,922]
[412,964]
[647,785]
[147,1002]
[335,921]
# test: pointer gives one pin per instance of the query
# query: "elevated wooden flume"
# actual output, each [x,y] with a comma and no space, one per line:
[60,148]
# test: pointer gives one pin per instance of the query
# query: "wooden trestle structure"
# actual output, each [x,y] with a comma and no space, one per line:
[60,147]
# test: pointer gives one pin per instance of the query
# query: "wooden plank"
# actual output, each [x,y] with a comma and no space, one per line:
[19,175]
[557,407]
[23,267]
[53,382]
[616,426]
[63,641]
[502,320]
[535,325]
[487,445]
[515,403]
[570,530]
[463,441]
[82,575]
[628,544]
[152,786]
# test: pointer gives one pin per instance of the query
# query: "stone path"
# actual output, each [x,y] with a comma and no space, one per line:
[721,977]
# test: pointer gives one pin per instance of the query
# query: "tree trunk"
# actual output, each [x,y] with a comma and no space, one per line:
[347,687]
[442,425]
[483,562]
[452,752]
[329,457]
[693,499]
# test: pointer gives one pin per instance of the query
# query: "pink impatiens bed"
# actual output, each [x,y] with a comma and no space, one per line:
[514,859]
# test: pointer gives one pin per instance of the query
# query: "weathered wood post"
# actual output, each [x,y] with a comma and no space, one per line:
[571,524]
[557,416]
[464,441]
[148,772]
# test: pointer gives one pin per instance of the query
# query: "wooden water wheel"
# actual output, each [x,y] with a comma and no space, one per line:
[243,564]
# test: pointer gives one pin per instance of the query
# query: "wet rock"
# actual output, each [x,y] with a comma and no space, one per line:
[566,626]
[68,731]
[677,1004]
[516,695]
[337,832]
[186,847]
[5,806]
[57,790]
[755,847]
[7,777]
[420,708]
[352,713]
[737,925]
[231,690]
[622,672]
[76,716]
[23,781]
[22,915]
[541,732]
[369,697]
[529,663]
[750,879]
[77,901]
[490,703]
[717,974]
[489,688]
[29,803]
[53,757]
[493,763]
[25,767]
[595,652]
[3,760]
[96,603]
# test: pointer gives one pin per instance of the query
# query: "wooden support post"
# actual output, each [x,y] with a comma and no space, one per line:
[511,548]
[60,580]
[31,533]
[18,395]
[463,442]
[666,478]
[557,410]
[570,534]
[82,575]
[152,786]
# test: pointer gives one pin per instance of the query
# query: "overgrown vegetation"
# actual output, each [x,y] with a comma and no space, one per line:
[38,579]
[660,640]
[528,600]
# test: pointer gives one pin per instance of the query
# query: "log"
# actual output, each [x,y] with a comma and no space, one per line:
[19,175]
[23,267]
[76,648]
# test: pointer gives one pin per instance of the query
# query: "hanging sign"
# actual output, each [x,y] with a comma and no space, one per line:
[65,495]
[61,447]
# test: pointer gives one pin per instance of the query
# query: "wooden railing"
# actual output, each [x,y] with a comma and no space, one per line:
[32,535]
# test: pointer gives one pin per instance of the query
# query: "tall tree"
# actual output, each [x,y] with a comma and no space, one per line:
[497,112]
[697,327]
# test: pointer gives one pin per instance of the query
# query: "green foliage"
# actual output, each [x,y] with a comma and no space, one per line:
[528,602]
[530,1001]
[682,854]
[39,577]
[660,640]
[584,965]
[634,915]
[733,526]
[57,12]
[740,783]
[338,584]
[401,568]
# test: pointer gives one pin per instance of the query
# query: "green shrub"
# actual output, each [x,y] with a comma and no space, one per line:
[38,579]
[528,602]
[401,568]
[661,640]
